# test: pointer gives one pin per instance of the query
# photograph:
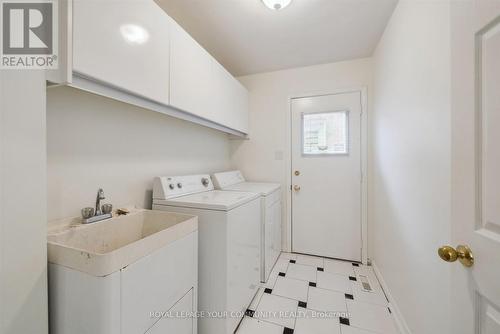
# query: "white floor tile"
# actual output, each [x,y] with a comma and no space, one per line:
[310,260]
[335,282]
[289,256]
[282,265]
[326,300]
[302,272]
[256,299]
[278,310]
[375,297]
[339,267]
[371,317]
[291,288]
[312,323]
[254,326]
[271,281]
[353,330]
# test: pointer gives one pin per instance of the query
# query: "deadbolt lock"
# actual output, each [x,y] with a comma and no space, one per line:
[297,173]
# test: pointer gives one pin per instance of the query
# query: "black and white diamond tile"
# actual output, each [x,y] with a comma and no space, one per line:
[301,286]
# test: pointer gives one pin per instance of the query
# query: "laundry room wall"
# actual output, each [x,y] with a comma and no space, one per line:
[265,156]
[23,224]
[95,142]
[411,166]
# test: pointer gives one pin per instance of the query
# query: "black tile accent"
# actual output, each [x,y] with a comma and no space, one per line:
[352,278]
[348,296]
[320,269]
[303,304]
[356,264]
[287,330]
[282,274]
[312,284]
[249,313]
[344,321]
[267,290]
[292,261]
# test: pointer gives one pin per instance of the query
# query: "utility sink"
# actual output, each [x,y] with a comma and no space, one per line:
[101,248]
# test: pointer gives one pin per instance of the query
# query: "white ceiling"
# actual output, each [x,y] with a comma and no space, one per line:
[247,37]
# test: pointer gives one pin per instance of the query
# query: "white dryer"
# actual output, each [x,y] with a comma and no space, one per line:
[270,194]
[229,245]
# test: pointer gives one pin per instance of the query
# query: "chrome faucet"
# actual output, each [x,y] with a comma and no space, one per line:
[91,215]
[100,196]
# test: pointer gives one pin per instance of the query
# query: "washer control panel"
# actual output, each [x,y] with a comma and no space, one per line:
[226,179]
[165,187]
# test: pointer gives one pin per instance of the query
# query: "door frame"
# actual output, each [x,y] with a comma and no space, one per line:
[364,162]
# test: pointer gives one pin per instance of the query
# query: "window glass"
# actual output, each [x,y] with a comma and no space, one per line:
[325,133]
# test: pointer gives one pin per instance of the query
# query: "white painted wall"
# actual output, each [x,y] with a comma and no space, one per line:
[97,142]
[23,224]
[411,171]
[266,156]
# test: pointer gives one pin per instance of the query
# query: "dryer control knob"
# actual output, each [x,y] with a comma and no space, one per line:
[205,181]
[171,186]
[179,185]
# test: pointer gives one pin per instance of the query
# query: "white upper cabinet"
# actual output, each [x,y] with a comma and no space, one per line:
[229,99]
[200,85]
[190,75]
[132,51]
[124,44]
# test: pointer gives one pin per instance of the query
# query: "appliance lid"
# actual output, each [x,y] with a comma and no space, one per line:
[262,188]
[210,200]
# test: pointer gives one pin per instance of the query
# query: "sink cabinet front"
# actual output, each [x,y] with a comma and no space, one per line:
[129,301]
[156,283]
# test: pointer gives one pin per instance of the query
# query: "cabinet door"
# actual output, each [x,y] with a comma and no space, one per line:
[156,282]
[124,44]
[239,105]
[178,320]
[230,99]
[190,75]
[220,92]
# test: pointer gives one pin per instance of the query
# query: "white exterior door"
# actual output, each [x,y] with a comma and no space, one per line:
[475,56]
[326,175]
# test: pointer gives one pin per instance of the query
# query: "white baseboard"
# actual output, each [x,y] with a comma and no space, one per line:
[398,316]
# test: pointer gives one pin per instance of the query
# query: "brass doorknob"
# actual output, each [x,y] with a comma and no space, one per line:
[462,253]
[296,188]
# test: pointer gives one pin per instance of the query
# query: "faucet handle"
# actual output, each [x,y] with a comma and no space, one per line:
[87,213]
[106,208]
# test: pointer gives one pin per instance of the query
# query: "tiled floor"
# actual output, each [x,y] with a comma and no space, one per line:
[314,295]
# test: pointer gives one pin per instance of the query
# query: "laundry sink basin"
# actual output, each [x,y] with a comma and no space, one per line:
[102,248]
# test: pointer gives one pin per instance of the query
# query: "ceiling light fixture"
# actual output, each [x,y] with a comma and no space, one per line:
[276,4]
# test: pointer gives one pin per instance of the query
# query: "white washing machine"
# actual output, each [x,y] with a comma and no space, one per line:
[228,241]
[270,194]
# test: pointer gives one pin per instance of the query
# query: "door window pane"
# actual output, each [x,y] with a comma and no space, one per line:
[325,133]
